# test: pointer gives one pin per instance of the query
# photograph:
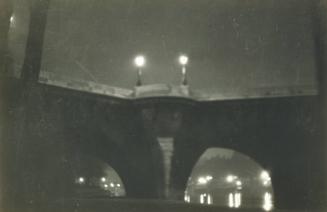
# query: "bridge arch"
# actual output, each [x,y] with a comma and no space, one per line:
[229,178]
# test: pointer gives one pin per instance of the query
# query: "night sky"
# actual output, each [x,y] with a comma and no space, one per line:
[232,44]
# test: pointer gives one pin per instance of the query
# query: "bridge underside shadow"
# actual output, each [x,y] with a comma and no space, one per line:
[50,125]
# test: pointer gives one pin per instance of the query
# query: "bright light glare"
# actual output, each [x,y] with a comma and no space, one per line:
[183,60]
[202,180]
[234,200]
[187,198]
[202,198]
[238,183]
[231,200]
[112,185]
[118,185]
[237,200]
[209,177]
[267,202]
[81,180]
[105,185]
[265,177]
[139,61]
[103,179]
[230,178]
[209,199]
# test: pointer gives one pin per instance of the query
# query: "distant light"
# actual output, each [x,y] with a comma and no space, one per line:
[265,177]
[267,202]
[183,60]
[139,61]
[202,180]
[118,185]
[187,198]
[267,183]
[81,180]
[209,177]
[103,179]
[230,178]
[105,185]
[238,183]
[112,185]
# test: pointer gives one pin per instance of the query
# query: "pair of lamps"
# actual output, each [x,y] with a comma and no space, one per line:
[140,61]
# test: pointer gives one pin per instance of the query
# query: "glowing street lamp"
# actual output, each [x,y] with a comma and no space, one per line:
[81,180]
[139,62]
[183,61]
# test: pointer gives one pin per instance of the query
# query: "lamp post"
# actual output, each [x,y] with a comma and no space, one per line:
[139,62]
[183,60]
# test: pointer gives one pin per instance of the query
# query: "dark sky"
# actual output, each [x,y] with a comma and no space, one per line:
[232,44]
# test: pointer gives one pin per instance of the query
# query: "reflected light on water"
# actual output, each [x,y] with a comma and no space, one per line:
[204,199]
[187,198]
[238,200]
[234,200]
[209,199]
[231,200]
[267,202]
